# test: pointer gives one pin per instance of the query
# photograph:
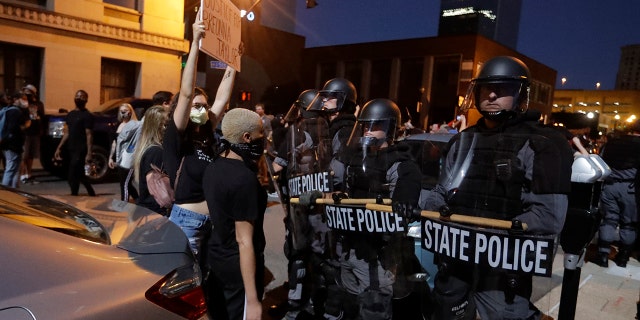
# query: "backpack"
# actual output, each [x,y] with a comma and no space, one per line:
[4,133]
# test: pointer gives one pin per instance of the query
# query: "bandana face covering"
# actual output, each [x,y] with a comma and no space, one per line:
[252,150]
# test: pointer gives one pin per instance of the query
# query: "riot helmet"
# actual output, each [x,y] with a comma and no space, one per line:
[376,124]
[299,107]
[337,95]
[500,77]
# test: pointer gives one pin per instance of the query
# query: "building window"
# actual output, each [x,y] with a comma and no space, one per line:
[380,79]
[19,65]
[410,91]
[118,79]
[131,4]
[36,2]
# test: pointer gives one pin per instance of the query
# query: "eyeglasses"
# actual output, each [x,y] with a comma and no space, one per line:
[200,105]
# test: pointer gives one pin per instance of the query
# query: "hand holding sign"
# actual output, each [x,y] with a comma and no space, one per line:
[198,27]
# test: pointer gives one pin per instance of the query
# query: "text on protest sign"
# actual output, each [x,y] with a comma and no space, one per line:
[320,181]
[222,38]
[359,219]
[489,247]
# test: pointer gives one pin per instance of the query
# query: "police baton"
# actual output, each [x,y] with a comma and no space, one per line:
[458,218]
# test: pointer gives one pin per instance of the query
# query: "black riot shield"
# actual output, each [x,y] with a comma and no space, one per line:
[376,274]
[308,172]
[494,218]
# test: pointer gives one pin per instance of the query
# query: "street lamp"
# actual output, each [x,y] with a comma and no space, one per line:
[563,80]
[597,85]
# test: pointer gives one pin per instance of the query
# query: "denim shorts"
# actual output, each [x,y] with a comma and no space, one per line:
[195,225]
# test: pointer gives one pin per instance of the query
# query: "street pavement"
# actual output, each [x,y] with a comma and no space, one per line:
[604,293]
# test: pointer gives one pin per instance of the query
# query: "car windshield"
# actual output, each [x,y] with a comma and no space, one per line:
[51,215]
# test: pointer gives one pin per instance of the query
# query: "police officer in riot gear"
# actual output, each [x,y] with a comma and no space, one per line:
[508,167]
[374,267]
[618,199]
[338,103]
[305,152]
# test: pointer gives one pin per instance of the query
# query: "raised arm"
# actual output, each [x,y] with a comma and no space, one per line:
[183,108]
[222,96]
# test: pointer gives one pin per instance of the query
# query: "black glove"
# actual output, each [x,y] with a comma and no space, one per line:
[407,210]
[338,196]
[309,198]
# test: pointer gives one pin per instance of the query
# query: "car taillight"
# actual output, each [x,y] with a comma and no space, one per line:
[180,292]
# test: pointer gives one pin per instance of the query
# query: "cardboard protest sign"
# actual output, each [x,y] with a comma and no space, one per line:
[223,29]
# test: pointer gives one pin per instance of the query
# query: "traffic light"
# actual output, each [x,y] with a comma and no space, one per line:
[311,4]
[245,95]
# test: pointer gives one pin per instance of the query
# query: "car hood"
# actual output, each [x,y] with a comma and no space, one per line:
[131,227]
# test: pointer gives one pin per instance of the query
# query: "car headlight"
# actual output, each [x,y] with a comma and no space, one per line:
[56,129]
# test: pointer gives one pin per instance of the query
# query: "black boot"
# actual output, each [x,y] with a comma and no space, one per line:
[601,259]
[622,257]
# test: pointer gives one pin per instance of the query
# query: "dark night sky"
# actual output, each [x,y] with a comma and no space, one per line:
[581,39]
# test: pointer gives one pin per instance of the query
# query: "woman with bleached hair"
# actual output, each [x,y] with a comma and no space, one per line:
[237,202]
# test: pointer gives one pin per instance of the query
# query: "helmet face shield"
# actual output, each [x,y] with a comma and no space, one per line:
[480,91]
[328,101]
[293,114]
[372,133]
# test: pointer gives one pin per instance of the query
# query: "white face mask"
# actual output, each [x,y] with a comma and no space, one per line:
[24,103]
[199,116]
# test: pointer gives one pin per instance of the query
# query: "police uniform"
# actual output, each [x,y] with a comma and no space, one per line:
[617,199]
[305,152]
[506,167]
[374,267]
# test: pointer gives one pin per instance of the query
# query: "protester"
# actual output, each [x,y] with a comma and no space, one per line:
[149,151]
[12,142]
[189,142]
[237,202]
[79,134]
[121,156]
[33,134]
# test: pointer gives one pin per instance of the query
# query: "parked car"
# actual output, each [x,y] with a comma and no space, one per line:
[427,150]
[104,131]
[93,258]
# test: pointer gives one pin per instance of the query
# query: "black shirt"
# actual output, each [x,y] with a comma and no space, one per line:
[196,149]
[233,193]
[78,121]
[153,155]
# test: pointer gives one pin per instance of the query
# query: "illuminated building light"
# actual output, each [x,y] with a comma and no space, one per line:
[457,12]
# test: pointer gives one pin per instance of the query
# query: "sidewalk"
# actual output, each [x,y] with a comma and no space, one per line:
[604,293]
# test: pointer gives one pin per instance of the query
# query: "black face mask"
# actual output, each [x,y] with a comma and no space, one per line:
[250,151]
[80,104]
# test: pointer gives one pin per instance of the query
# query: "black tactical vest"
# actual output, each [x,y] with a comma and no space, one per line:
[492,185]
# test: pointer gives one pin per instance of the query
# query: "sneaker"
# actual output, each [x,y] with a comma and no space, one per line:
[272,195]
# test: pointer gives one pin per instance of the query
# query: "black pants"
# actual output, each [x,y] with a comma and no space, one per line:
[224,290]
[125,176]
[76,172]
